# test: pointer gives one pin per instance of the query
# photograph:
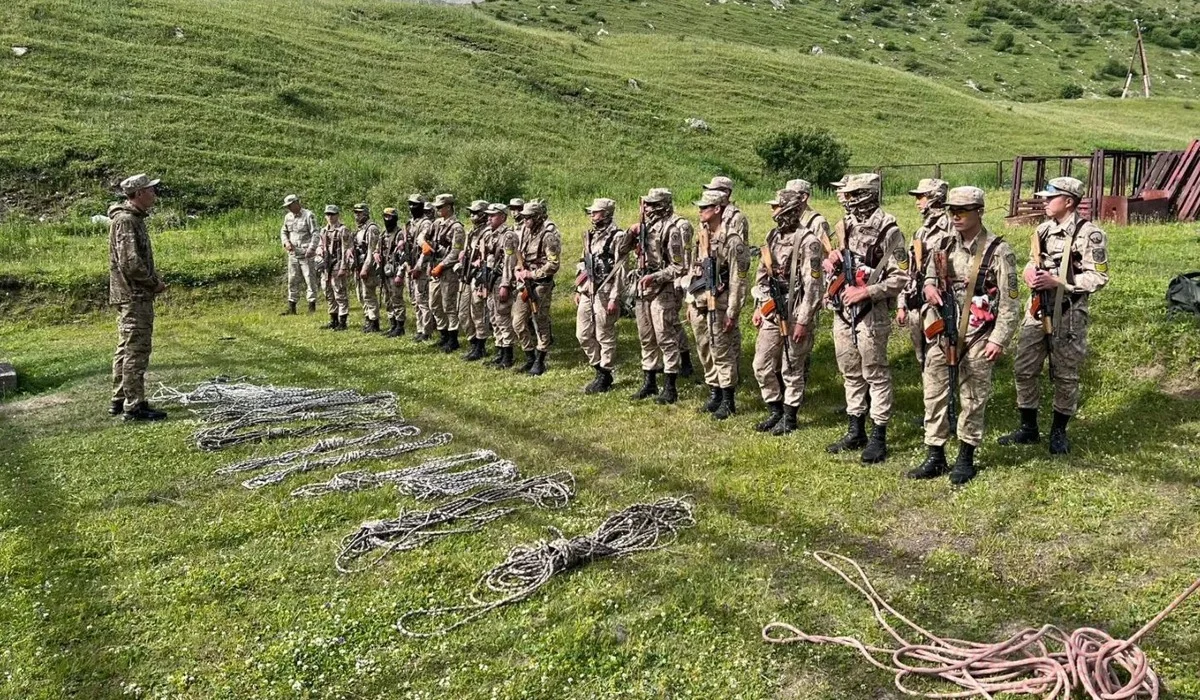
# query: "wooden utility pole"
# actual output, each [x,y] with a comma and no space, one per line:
[1139,53]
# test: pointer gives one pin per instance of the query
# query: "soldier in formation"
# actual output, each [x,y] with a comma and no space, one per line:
[538,255]
[336,263]
[300,238]
[368,263]
[599,284]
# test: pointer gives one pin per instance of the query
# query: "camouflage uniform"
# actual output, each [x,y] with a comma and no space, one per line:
[337,264]
[538,253]
[795,250]
[449,236]
[935,226]
[300,231]
[369,261]
[600,281]
[419,231]
[877,246]
[465,272]
[502,252]
[133,283]
[395,253]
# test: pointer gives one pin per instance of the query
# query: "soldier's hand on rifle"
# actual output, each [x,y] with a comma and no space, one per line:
[1043,281]
[829,264]
[855,295]
[993,352]
[901,316]
[757,318]
[932,295]
[647,281]
[799,332]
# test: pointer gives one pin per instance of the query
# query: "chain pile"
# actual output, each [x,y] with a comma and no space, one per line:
[1045,661]
[639,528]
[413,529]
[431,479]
[345,458]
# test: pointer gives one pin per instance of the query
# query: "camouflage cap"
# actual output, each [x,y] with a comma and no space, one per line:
[929,185]
[416,199]
[516,203]
[965,198]
[601,204]
[535,207]
[720,182]
[840,183]
[390,212]
[1062,185]
[362,207]
[710,198]
[858,183]
[332,209]
[497,208]
[428,207]
[137,183]
[658,195]
[784,198]
[443,200]
[800,186]
[478,206]
[290,200]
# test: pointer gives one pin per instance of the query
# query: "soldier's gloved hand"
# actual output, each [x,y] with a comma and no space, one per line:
[932,295]
[757,318]
[993,352]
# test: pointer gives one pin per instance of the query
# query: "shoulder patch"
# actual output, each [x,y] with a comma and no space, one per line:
[1101,267]
[901,257]
[1011,259]
[1096,238]
[1100,255]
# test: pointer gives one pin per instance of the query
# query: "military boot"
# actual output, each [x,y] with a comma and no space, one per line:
[669,393]
[498,359]
[374,325]
[291,309]
[854,438]
[1059,444]
[539,364]
[604,381]
[508,357]
[591,386]
[312,307]
[451,342]
[1027,433]
[934,464]
[964,466]
[787,423]
[476,352]
[530,358]
[728,405]
[685,364]
[876,450]
[393,328]
[143,412]
[714,399]
[333,323]
[366,327]
[117,407]
[775,413]
[649,385]
[400,327]
[342,320]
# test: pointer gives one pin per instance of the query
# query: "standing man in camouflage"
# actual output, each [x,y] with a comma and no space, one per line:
[369,263]
[538,258]
[872,242]
[788,293]
[599,284]
[1072,265]
[419,232]
[658,239]
[930,198]
[395,274]
[449,237]
[716,290]
[977,272]
[133,283]
[337,265]
[300,239]
[477,211]
[501,250]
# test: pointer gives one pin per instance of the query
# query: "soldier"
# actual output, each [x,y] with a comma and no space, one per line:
[395,275]
[804,189]
[716,291]
[863,296]
[337,263]
[419,232]
[466,272]
[788,293]
[515,206]
[500,246]
[537,261]
[733,218]
[930,197]
[1068,263]
[977,272]
[448,239]
[369,264]
[133,283]
[599,284]
[658,238]
[300,239]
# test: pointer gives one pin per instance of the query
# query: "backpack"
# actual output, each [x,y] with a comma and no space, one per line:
[1183,295]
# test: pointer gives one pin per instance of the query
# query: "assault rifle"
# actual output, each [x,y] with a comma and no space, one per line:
[847,275]
[708,276]
[779,301]
[946,326]
[525,289]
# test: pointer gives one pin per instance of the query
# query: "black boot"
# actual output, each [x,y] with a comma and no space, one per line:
[1059,445]
[400,327]
[649,385]
[934,464]
[117,407]
[443,339]
[420,337]
[504,357]
[393,328]
[1027,433]
[728,405]
[539,364]
[143,412]
[854,438]
[476,350]
[787,423]
[333,323]
[374,325]
[498,359]
[669,393]
[876,450]
[291,309]
[366,326]
[775,409]
[964,466]
[342,320]
[451,342]
[604,381]
[714,400]
[591,386]
[312,307]
[685,364]
[530,358]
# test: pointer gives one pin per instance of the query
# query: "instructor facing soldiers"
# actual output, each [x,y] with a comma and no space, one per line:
[300,238]
[133,283]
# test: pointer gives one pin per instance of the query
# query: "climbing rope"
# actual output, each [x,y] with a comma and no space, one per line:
[345,458]
[413,529]
[1045,661]
[431,479]
[639,528]
[379,433]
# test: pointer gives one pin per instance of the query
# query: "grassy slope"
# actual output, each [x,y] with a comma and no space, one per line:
[124,564]
[380,98]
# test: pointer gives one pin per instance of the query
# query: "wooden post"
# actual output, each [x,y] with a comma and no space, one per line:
[1141,47]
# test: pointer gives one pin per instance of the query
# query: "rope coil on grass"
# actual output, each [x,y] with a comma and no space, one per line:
[379,433]
[345,458]
[362,479]
[639,528]
[423,482]
[1045,661]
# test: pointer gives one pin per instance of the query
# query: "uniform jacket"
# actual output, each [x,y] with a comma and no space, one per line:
[996,294]
[1088,268]
[131,273]
[888,261]
[808,286]
[337,248]
[733,262]
[541,251]
[302,232]
[605,245]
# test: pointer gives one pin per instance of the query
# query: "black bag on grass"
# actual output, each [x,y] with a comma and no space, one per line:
[1183,295]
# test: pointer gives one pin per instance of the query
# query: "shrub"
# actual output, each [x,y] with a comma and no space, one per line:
[1071,91]
[1111,68]
[1004,41]
[489,171]
[810,153]
[1114,91]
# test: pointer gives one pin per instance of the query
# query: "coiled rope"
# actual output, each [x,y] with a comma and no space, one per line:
[1045,661]
[431,479]
[639,528]
[345,458]
[413,529]
[381,432]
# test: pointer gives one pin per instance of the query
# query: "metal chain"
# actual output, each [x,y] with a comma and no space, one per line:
[639,528]
[383,431]
[413,529]
[363,479]
[345,458]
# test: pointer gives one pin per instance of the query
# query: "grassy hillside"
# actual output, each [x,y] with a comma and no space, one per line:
[235,104]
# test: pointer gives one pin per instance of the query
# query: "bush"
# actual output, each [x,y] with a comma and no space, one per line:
[1111,68]
[810,153]
[491,172]
[1004,41]
[1071,91]
[1114,91]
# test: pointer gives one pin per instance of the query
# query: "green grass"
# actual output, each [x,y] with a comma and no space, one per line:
[127,568]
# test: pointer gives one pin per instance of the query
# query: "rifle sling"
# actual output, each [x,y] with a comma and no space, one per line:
[964,313]
[1064,267]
